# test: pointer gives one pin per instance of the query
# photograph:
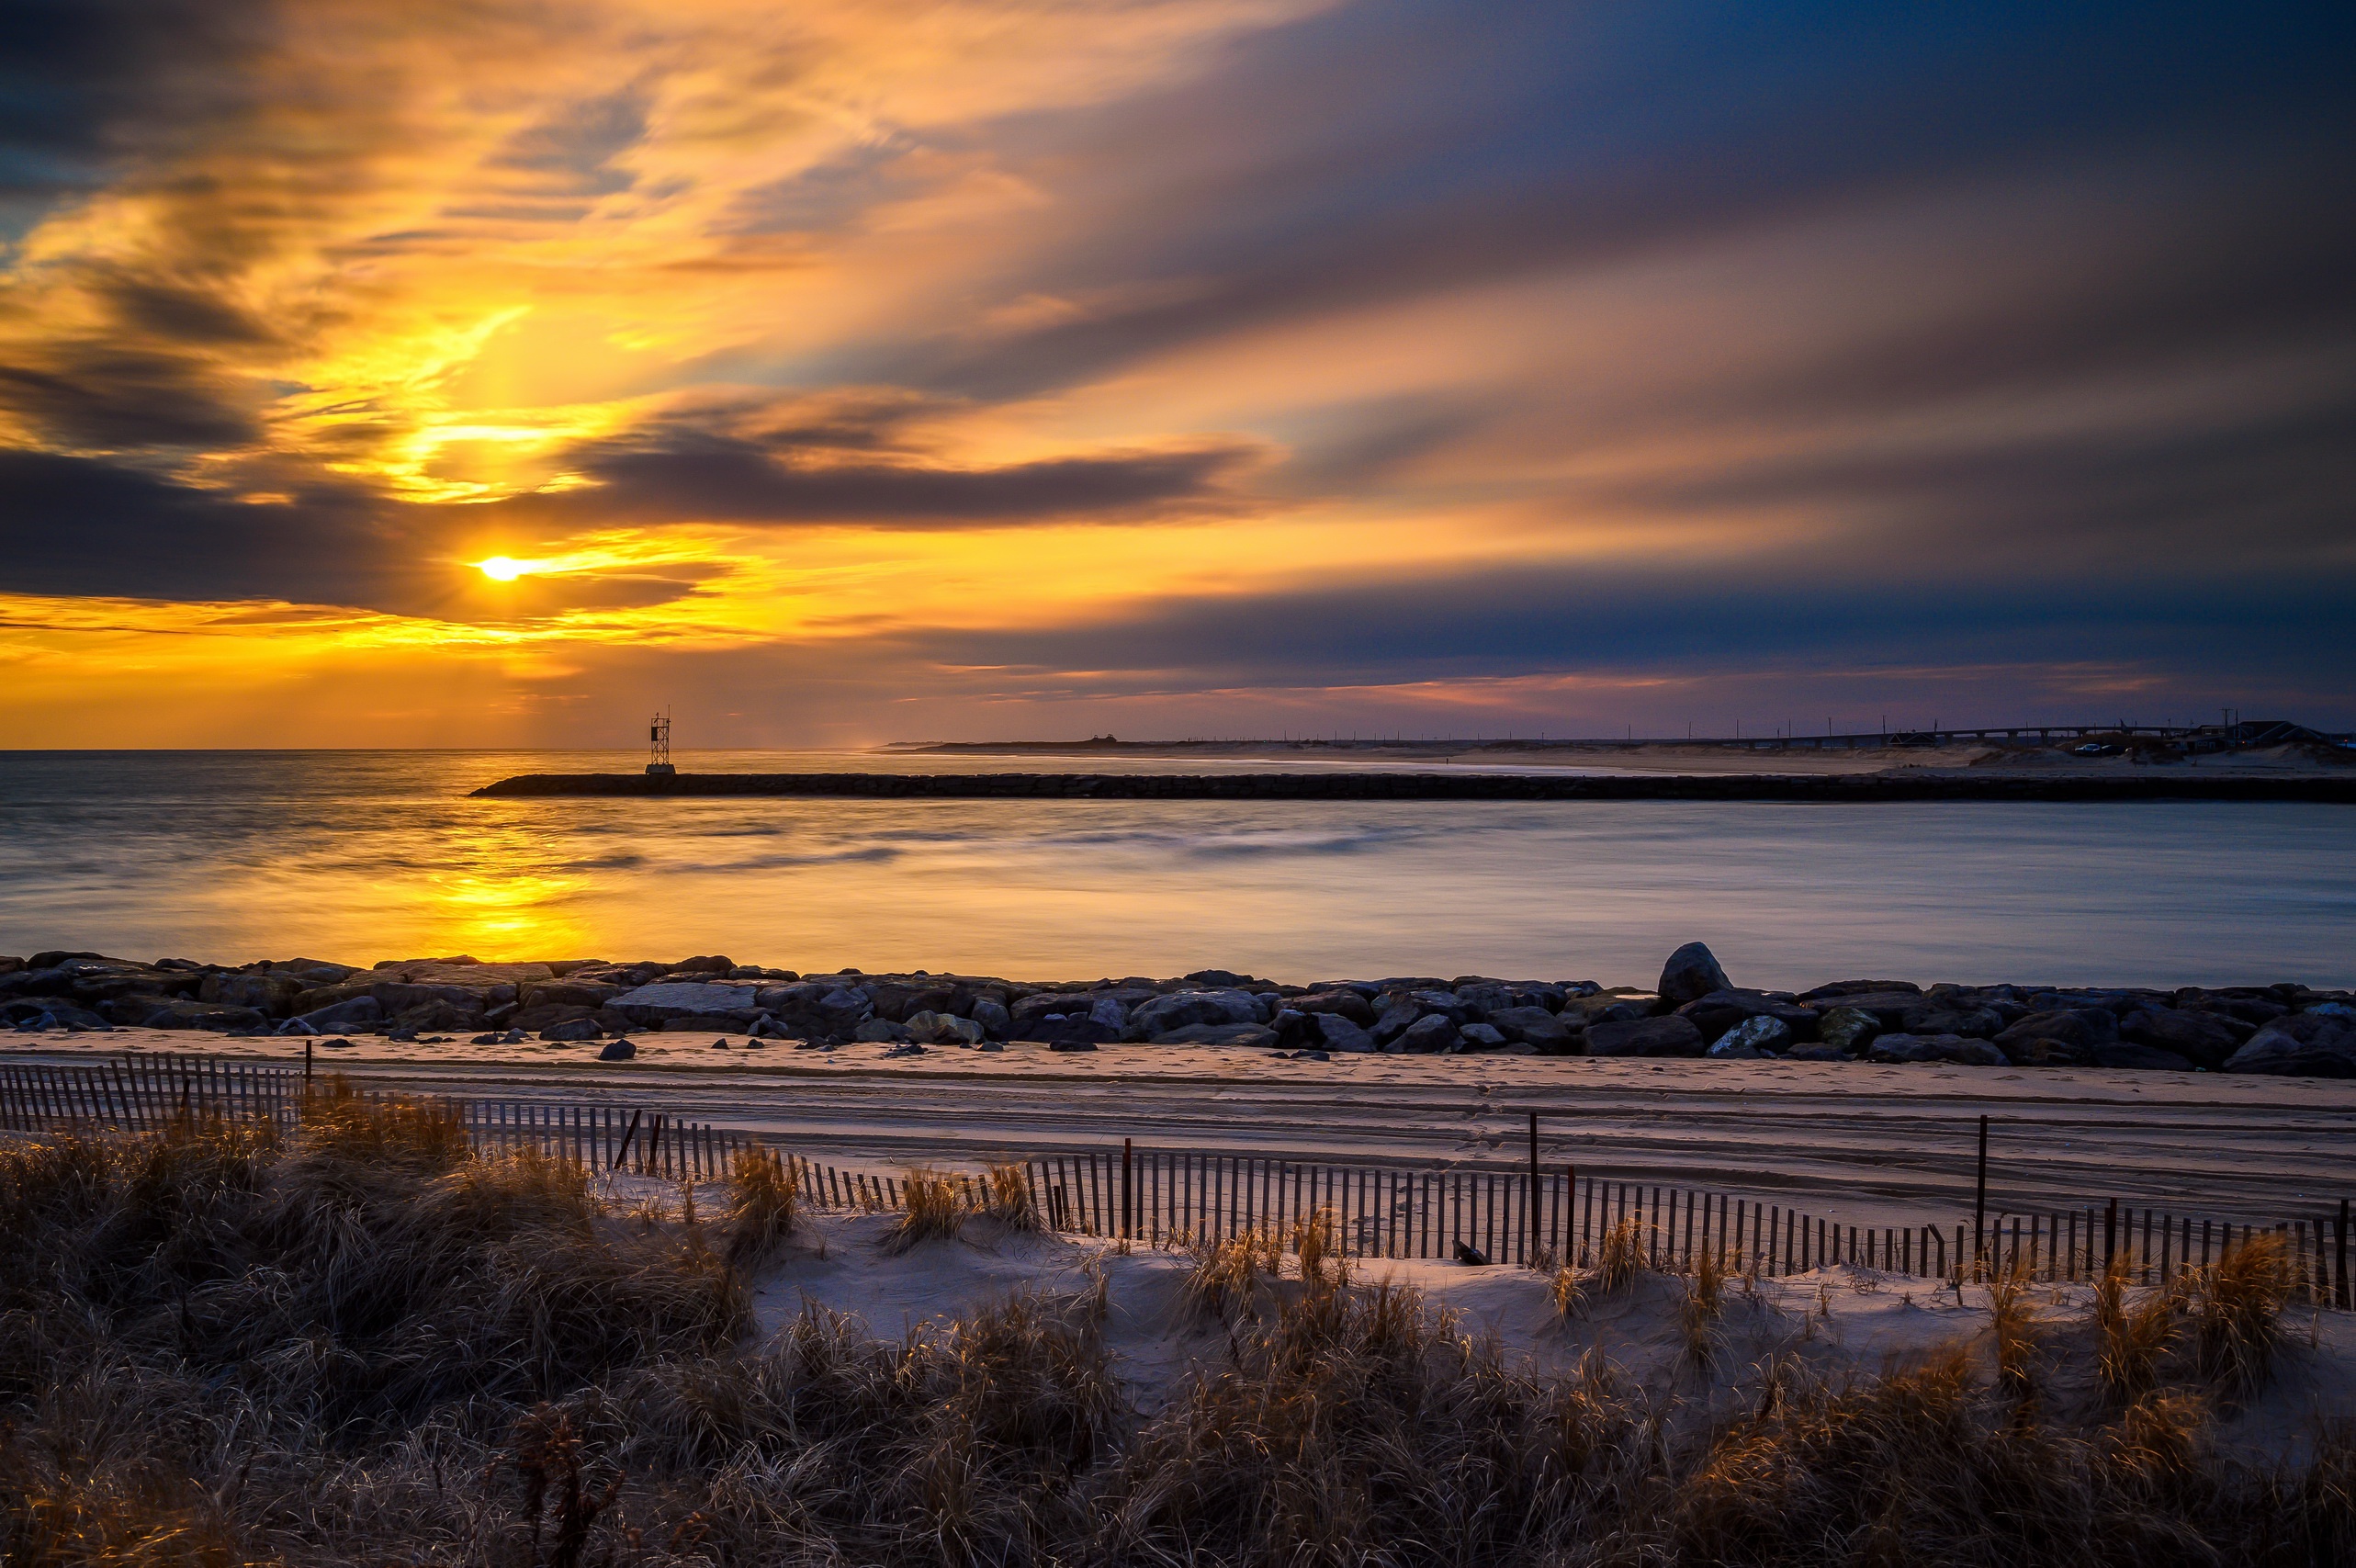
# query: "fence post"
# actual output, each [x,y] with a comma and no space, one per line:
[2110,1234]
[1979,1200]
[1128,1191]
[2341,1292]
[1532,1258]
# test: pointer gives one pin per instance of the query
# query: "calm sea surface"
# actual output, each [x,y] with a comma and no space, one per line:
[358,856]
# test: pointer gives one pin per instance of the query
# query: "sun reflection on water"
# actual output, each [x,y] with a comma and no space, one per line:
[495,897]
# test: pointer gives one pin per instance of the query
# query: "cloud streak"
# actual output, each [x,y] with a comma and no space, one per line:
[1190,352]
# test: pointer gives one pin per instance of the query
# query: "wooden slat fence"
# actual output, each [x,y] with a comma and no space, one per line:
[1173,1197]
[148,1091]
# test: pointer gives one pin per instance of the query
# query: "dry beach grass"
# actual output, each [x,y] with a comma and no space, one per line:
[361,1342]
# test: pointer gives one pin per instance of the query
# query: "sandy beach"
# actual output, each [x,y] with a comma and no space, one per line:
[1867,1143]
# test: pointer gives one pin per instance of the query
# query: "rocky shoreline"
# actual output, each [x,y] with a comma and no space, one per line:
[1840,788]
[1693,1010]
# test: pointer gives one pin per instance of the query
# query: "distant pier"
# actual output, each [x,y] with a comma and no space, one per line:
[2170,784]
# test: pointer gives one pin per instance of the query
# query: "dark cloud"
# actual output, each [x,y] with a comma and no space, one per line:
[571,152]
[1662,621]
[675,472]
[115,393]
[1387,151]
[86,83]
[81,526]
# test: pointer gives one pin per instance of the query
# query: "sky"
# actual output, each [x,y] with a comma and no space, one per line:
[470,372]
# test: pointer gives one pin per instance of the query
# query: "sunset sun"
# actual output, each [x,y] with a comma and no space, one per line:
[503,569]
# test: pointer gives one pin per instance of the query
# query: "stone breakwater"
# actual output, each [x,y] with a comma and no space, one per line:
[1693,1009]
[2171,785]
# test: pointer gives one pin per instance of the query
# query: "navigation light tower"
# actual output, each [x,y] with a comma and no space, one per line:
[659,733]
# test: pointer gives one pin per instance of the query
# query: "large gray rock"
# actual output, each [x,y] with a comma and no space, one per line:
[1760,1036]
[2055,1039]
[1962,1050]
[220,1018]
[1398,1016]
[1533,1026]
[617,1051]
[356,1012]
[1847,1030]
[2303,1045]
[1337,1032]
[1344,1003]
[1181,1009]
[1670,1036]
[993,1017]
[1943,1016]
[589,995]
[1888,1008]
[1430,1033]
[1721,1011]
[2205,1039]
[273,994]
[655,1005]
[1691,974]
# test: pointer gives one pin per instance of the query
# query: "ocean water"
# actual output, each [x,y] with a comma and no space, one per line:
[357,856]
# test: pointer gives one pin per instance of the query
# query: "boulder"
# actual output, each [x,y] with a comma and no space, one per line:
[710,964]
[354,1012]
[2206,1039]
[617,1051]
[1721,1011]
[588,995]
[1608,1009]
[571,1029]
[942,1029]
[1533,1026]
[128,1010]
[1337,1032]
[437,1014]
[1691,974]
[1947,1016]
[1669,1036]
[1760,1036]
[1847,1030]
[55,1012]
[1479,1037]
[882,1030]
[273,994]
[2055,1039]
[1888,1008]
[1960,1049]
[216,1016]
[1183,1009]
[1428,1034]
[1345,1003]
[2306,1045]
[1398,1016]
[993,1018]
[703,1003]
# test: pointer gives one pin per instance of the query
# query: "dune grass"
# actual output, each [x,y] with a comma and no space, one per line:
[360,1343]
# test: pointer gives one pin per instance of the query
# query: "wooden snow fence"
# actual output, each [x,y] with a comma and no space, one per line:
[1183,1197]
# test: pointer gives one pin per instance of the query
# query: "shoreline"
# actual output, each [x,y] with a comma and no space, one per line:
[1796,789]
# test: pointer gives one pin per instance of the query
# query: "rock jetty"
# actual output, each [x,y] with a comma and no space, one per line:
[1837,788]
[1695,1010]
